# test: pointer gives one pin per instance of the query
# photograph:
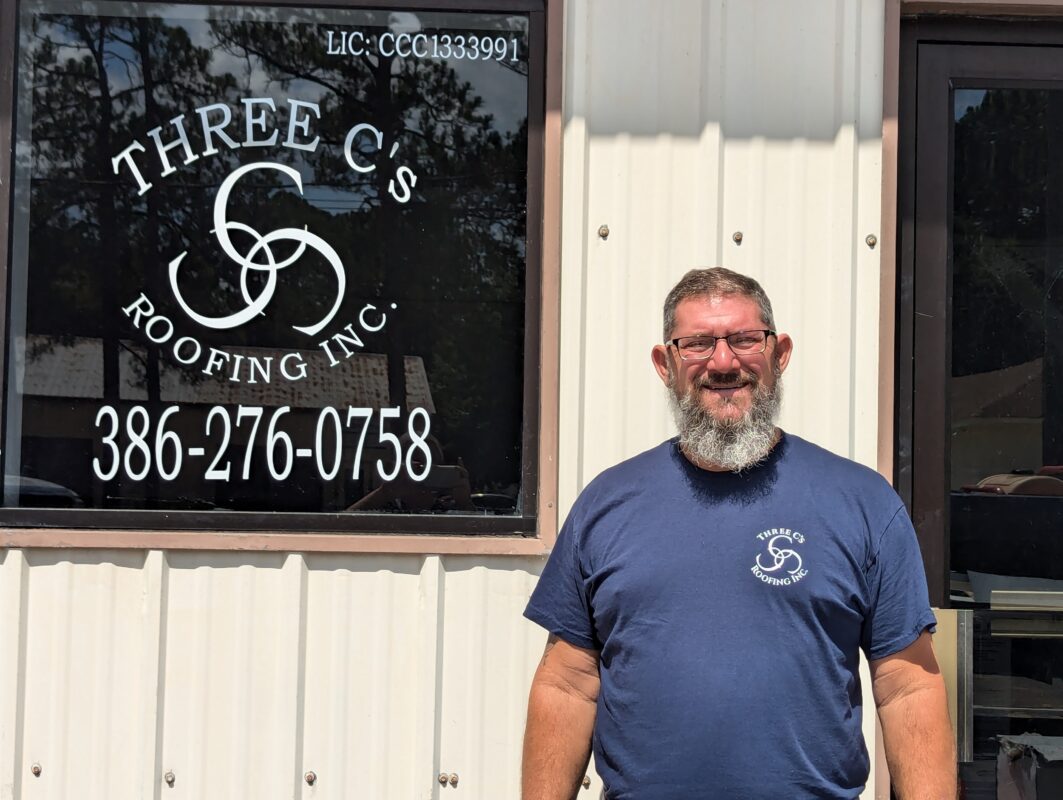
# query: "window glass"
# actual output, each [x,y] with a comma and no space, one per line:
[268,259]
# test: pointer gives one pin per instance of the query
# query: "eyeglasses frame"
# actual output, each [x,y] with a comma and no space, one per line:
[715,340]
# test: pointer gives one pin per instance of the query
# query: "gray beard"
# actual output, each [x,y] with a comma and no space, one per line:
[733,445]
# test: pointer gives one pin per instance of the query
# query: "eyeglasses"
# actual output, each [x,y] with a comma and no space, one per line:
[699,348]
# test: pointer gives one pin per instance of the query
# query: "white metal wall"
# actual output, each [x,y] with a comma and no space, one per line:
[685,121]
[241,672]
[688,121]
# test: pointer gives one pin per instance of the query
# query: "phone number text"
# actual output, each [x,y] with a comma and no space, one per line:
[135,447]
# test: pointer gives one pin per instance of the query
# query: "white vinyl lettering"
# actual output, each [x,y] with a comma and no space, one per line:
[217,129]
[293,373]
[167,328]
[302,123]
[260,121]
[126,156]
[406,180]
[196,352]
[139,308]
[261,366]
[366,325]
[330,48]
[158,446]
[387,45]
[181,141]
[215,361]
[348,145]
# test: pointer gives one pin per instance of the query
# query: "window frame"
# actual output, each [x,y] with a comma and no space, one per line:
[533,531]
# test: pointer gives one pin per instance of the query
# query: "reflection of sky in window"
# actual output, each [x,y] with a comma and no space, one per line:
[965,100]
[497,85]
[502,90]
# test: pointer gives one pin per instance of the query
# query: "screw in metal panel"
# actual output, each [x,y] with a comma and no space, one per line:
[737,237]
[871,240]
[170,778]
[36,770]
[443,779]
[603,232]
[586,781]
[310,777]
[453,779]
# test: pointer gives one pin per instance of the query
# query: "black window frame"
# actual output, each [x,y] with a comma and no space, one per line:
[923,300]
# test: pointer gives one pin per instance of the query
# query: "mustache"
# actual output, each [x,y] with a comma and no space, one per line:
[726,378]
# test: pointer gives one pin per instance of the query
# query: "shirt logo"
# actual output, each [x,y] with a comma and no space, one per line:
[780,563]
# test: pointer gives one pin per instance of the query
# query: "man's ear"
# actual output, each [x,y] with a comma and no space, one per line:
[662,362]
[784,348]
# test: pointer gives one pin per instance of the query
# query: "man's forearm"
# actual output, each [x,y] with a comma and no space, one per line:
[557,742]
[919,743]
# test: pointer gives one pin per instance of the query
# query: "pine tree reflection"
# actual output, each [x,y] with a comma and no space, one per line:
[451,259]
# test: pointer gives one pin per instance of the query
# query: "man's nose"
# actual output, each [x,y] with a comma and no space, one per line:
[723,358]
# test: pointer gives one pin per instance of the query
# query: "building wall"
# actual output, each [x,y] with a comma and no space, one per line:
[689,121]
[685,122]
[241,672]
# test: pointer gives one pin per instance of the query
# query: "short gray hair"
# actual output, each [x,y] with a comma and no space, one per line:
[715,282]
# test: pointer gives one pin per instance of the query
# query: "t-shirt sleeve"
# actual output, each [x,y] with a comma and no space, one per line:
[560,602]
[899,604]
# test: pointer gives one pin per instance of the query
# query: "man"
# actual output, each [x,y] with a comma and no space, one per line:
[707,600]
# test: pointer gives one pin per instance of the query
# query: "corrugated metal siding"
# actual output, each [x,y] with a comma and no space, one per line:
[688,121]
[241,672]
[685,122]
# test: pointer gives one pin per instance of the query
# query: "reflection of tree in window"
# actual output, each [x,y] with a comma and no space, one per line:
[999,229]
[452,259]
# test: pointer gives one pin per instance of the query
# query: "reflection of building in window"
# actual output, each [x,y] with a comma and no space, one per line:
[53,372]
[445,488]
[52,367]
[997,422]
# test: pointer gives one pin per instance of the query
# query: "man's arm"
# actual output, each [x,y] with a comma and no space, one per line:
[910,695]
[561,708]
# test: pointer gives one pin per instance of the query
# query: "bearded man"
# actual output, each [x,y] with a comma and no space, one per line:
[707,601]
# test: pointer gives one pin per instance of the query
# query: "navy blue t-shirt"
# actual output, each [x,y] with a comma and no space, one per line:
[729,611]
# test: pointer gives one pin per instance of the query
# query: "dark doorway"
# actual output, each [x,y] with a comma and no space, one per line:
[980,371]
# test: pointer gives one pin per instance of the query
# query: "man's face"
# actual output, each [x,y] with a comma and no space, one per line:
[725,384]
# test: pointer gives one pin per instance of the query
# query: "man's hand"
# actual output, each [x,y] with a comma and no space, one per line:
[910,695]
[561,708]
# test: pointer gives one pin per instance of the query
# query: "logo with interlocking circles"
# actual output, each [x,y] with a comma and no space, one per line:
[260,258]
[781,555]
[780,564]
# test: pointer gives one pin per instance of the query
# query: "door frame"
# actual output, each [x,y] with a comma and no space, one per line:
[944,52]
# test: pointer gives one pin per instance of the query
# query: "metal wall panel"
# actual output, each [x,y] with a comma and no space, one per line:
[85,675]
[232,665]
[689,121]
[370,678]
[239,673]
[489,655]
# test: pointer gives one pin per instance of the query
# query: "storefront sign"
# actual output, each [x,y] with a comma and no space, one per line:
[283,268]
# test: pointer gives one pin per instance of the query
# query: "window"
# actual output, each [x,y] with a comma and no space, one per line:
[274,267]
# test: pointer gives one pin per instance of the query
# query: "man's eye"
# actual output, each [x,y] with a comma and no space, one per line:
[744,341]
[698,345]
